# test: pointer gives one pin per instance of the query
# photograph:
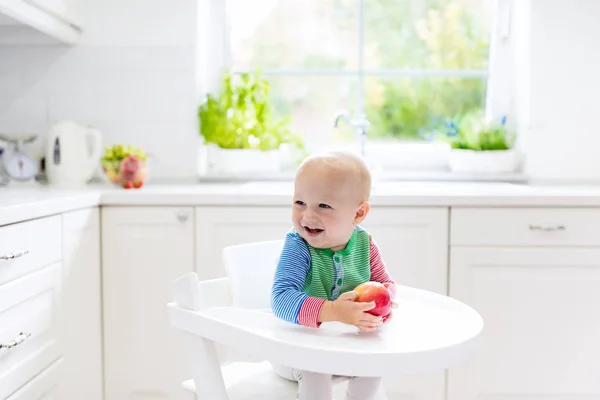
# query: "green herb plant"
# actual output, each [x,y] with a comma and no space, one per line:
[472,132]
[240,116]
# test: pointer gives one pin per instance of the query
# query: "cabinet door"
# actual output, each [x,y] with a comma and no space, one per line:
[80,307]
[540,308]
[143,250]
[218,227]
[414,245]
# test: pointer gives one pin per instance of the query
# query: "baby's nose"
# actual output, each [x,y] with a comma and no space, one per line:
[309,216]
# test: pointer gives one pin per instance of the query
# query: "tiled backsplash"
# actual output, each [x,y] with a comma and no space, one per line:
[142,94]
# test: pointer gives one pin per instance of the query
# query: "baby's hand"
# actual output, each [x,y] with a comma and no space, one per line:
[389,316]
[347,310]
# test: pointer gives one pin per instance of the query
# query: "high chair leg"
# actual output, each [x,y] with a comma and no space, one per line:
[206,370]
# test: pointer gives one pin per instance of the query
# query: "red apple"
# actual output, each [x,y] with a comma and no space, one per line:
[377,292]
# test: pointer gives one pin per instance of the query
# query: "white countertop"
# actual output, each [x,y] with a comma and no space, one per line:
[22,202]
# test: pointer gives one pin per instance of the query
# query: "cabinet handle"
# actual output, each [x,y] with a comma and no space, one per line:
[21,337]
[547,228]
[10,256]
[182,217]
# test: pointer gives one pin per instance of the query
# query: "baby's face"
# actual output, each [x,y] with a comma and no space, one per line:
[325,209]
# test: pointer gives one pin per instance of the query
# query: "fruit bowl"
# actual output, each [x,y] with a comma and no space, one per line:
[125,167]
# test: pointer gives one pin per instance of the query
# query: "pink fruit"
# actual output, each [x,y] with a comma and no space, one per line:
[131,164]
[132,169]
[377,292]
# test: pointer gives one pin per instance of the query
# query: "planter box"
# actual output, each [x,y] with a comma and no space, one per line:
[238,161]
[497,161]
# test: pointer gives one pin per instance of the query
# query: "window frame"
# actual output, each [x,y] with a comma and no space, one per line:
[499,74]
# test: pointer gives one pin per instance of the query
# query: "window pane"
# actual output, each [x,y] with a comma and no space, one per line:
[312,102]
[427,34]
[273,34]
[411,108]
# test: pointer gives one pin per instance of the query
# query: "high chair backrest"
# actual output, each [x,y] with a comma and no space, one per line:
[250,270]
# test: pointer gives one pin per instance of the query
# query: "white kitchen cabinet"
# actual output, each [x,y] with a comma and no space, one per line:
[80,312]
[37,22]
[42,386]
[219,227]
[143,250]
[413,243]
[540,307]
[28,318]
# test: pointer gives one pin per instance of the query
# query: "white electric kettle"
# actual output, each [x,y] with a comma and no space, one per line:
[72,154]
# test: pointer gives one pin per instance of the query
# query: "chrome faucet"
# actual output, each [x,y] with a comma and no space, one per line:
[360,125]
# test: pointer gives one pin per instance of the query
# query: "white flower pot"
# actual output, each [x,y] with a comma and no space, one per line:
[493,161]
[238,162]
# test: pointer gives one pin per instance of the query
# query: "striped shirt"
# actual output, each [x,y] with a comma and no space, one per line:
[306,277]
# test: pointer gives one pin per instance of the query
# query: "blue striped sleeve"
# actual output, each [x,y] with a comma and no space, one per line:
[293,266]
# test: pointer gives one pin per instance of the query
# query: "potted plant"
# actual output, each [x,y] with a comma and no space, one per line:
[478,146]
[240,131]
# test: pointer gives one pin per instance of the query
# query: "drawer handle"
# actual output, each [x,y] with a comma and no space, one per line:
[21,337]
[547,228]
[182,217]
[10,256]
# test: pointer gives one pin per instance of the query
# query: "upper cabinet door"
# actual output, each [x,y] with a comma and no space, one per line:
[143,250]
[218,227]
[540,308]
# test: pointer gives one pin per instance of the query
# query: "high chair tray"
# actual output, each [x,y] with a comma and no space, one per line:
[428,332]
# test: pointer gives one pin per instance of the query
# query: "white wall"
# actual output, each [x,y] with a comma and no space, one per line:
[559,86]
[137,71]
[133,76]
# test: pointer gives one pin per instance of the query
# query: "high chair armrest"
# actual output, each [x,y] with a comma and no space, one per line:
[191,294]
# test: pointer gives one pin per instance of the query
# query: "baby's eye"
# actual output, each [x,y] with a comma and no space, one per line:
[299,202]
[322,205]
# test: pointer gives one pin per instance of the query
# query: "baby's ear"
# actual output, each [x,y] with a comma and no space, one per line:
[361,213]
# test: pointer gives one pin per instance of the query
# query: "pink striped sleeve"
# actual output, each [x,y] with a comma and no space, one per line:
[309,312]
[378,270]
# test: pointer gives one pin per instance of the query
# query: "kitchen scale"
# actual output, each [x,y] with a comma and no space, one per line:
[14,163]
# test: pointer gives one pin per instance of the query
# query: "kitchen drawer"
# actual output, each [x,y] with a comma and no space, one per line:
[28,308]
[525,227]
[42,238]
[42,387]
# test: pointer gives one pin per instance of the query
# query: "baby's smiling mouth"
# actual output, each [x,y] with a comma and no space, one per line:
[312,231]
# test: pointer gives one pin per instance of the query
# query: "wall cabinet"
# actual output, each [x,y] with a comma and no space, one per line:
[39,22]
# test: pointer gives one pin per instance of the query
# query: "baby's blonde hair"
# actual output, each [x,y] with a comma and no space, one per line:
[352,168]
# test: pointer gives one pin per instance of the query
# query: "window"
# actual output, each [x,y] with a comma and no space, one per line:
[404,64]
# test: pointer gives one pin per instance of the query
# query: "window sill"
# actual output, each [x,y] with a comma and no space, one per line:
[389,161]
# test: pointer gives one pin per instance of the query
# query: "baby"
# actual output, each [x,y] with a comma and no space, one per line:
[325,257]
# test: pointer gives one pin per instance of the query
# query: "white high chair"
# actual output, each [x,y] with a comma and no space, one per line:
[231,332]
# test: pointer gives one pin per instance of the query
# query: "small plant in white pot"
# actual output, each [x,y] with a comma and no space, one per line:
[478,146]
[240,131]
